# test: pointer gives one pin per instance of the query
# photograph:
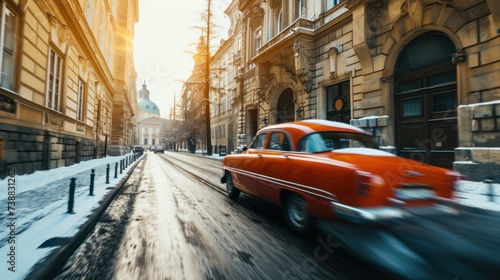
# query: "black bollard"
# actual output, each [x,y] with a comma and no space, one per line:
[116,170]
[71,201]
[92,177]
[107,173]
[491,192]
[121,166]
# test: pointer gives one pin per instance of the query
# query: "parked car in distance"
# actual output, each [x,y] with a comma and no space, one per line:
[138,149]
[152,148]
[318,169]
[159,149]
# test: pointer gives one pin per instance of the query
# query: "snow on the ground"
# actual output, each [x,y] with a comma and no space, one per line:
[479,194]
[41,213]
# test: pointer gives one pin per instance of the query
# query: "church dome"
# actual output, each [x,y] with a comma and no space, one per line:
[147,108]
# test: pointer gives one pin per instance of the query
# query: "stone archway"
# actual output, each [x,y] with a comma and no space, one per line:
[425,100]
[285,107]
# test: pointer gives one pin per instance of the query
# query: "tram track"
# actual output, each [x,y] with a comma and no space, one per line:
[246,201]
[193,174]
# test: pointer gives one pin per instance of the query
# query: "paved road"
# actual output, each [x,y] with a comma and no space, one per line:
[168,225]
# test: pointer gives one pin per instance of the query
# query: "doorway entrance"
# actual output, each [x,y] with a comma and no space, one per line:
[426,100]
[285,107]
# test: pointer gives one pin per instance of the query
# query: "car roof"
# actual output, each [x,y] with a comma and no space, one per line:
[315,125]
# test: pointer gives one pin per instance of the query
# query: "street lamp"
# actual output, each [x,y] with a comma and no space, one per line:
[299,112]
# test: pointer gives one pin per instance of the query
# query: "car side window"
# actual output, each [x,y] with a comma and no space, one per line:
[285,144]
[313,143]
[275,142]
[259,141]
[279,141]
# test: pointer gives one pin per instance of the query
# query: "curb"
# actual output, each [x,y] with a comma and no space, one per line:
[50,266]
[470,209]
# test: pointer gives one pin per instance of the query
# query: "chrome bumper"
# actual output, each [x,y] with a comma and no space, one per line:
[388,214]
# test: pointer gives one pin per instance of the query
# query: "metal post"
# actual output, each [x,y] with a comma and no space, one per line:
[92,177]
[71,201]
[116,170]
[491,192]
[121,166]
[107,173]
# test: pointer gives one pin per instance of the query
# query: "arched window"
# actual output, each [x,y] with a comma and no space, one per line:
[416,54]
[280,22]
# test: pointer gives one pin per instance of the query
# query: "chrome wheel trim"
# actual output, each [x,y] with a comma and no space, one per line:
[297,211]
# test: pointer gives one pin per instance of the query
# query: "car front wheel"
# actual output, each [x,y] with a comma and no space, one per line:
[232,192]
[296,214]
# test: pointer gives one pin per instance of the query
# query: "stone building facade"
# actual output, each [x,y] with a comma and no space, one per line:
[68,82]
[423,76]
[224,88]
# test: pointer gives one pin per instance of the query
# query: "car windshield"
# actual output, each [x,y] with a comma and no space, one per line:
[328,141]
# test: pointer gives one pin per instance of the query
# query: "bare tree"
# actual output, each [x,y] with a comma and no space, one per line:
[195,97]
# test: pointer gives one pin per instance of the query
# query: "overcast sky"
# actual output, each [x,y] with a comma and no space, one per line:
[164,37]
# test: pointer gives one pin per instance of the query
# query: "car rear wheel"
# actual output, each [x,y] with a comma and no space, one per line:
[232,192]
[296,214]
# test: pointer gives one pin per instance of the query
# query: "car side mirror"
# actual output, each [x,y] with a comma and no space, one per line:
[245,149]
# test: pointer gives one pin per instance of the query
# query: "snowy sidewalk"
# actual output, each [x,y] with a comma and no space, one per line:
[35,219]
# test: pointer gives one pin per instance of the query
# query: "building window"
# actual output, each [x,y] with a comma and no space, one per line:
[79,101]
[412,107]
[154,141]
[89,13]
[339,102]
[332,3]
[110,52]
[258,39]
[145,141]
[54,81]
[102,31]
[113,7]
[280,22]
[7,41]
[299,9]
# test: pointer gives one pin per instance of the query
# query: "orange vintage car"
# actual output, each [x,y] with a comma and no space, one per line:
[318,169]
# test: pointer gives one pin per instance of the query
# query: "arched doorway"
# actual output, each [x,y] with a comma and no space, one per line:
[285,107]
[425,98]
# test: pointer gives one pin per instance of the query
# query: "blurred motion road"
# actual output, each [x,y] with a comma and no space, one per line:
[172,220]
